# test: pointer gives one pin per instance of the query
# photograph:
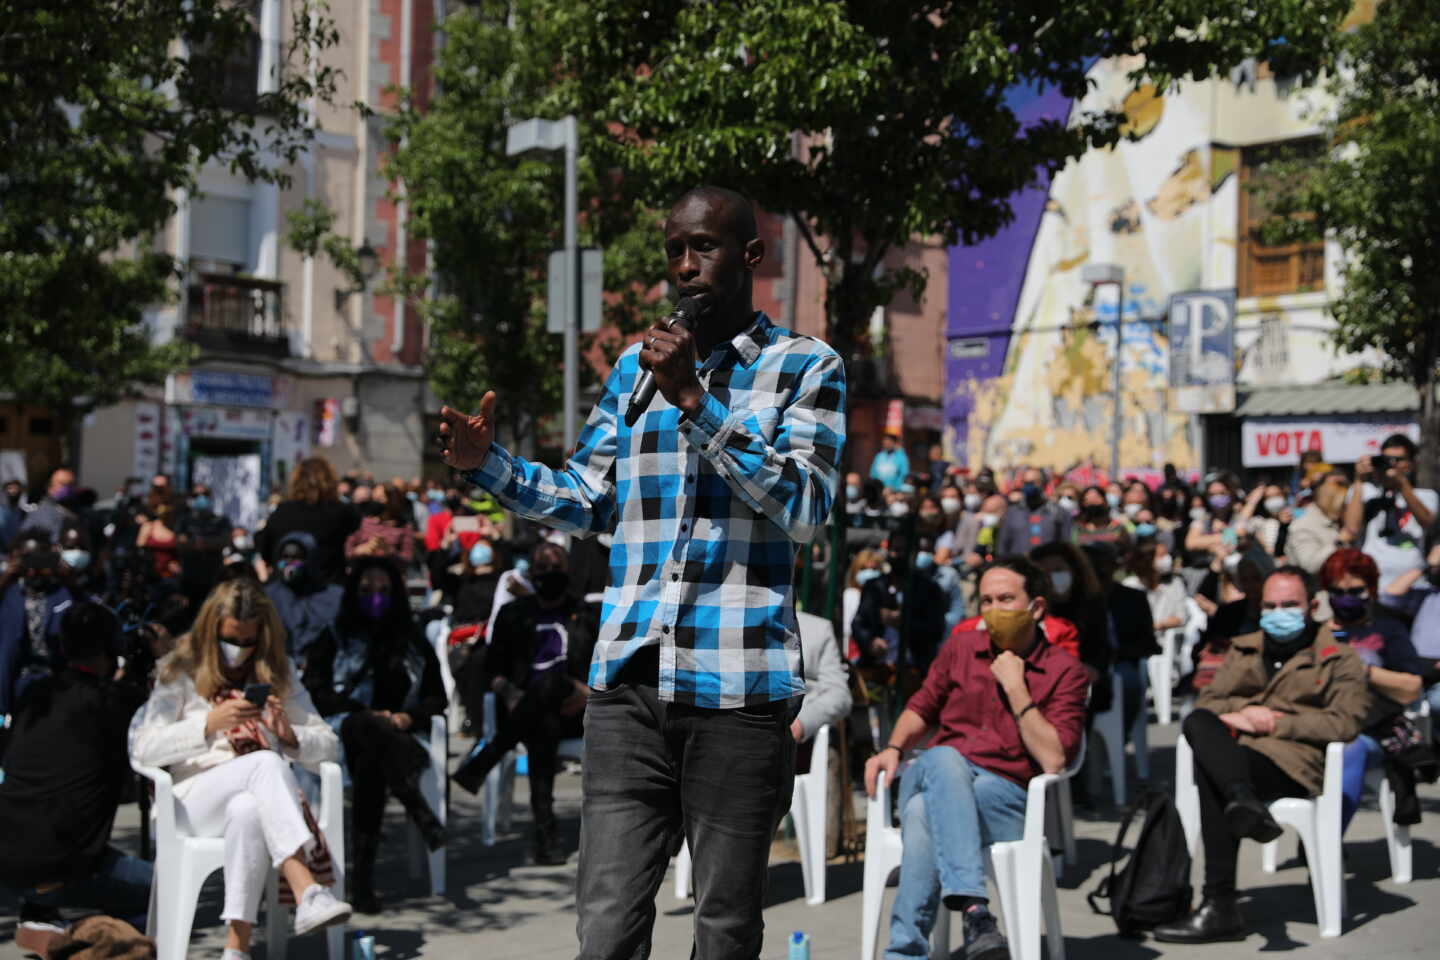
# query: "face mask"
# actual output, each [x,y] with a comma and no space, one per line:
[551,585]
[1068,504]
[1033,495]
[1097,512]
[1009,629]
[1164,564]
[1113,499]
[375,605]
[1349,609]
[1143,530]
[852,492]
[930,516]
[1198,515]
[435,496]
[1133,509]
[950,505]
[1274,504]
[863,577]
[1283,624]
[481,555]
[200,503]
[240,543]
[292,571]
[233,654]
[522,566]
[989,519]
[899,509]
[62,493]
[75,559]
[1062,581]
[1231,562]
[1219,501]
[924,561]
[972,502]
[412,496]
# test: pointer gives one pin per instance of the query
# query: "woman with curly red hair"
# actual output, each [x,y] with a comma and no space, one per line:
[1351,578]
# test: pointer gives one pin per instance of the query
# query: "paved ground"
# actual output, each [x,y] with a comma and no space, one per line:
[497,908]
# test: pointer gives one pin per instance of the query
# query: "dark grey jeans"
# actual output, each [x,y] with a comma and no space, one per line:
[652,769]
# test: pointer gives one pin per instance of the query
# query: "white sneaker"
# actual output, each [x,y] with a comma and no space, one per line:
[319,909]
[233,954]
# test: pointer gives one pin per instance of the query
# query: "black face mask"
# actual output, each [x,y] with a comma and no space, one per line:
[1096,512]
[551,585]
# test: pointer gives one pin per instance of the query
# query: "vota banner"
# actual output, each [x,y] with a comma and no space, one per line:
[1279,443]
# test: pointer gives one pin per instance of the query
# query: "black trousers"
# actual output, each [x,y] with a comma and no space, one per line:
[537,723]
[654,769]
[1221,763]
[382,760]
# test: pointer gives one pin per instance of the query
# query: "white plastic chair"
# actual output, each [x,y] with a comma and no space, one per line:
[1110,726]
[1397,835]
[1161,670]
[447,677]
[497,793]
[809,805]
[182,864]
[1018,869]
[1316,821]
[432,788]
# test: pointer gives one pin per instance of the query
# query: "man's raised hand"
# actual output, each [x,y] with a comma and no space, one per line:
[464,439]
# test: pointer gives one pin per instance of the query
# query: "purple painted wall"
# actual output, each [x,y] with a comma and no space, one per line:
[985,280]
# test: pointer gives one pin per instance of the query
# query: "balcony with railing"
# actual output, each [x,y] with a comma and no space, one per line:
[235,314]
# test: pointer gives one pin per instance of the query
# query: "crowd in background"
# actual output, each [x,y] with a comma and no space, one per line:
[354,597]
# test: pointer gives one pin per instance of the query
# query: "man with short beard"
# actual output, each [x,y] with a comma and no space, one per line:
[1008,706]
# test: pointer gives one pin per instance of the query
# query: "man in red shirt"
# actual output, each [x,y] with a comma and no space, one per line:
[1004,704]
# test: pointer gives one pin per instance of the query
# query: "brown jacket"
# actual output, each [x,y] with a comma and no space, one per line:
[1321,692]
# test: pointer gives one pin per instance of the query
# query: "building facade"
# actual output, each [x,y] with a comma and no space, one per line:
[292,359]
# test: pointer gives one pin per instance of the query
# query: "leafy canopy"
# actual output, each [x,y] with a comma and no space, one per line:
[107,109]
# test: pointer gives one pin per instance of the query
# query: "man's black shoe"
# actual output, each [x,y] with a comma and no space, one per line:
[1217,919]
[1248,817]
[983,939]
[546,851]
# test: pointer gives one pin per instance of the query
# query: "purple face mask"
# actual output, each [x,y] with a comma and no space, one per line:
[1349,609]
[1219,501]
[374,605]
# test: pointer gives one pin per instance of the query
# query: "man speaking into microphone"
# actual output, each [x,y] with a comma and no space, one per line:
[722,474]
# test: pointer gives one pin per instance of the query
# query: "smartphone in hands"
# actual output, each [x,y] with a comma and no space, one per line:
[257,693]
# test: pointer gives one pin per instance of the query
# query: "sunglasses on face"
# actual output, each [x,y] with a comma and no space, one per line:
[1350,591]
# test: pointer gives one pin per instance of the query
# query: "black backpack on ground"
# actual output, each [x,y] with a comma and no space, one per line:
[1154,885]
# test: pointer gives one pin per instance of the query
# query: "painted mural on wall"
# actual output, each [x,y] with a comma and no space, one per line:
[1030,375]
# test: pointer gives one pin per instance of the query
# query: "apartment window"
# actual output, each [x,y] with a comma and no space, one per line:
[42,427]
[1265,270]
[234,75]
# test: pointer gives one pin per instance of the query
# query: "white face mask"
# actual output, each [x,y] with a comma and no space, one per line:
[1062,581]
[1274,504]
[899,509]
[1198,515]
[1231,562]
[989,519]
[233,654]
[972,502]
[950,505]
[1132,509]
[1068,504]
[1164,563]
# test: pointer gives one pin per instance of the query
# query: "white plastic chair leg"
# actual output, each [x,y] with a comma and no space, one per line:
[808,810]
[1187,797]
[178,896]
[1397,837]
[1270,856]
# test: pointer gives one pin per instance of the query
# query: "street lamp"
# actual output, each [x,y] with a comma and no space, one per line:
[367,263]
[562,134]
[1099,275]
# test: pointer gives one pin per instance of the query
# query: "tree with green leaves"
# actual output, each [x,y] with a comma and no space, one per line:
[1375,191]
[493,220]
[108,110]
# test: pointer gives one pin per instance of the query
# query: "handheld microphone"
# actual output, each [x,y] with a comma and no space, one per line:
[687,311]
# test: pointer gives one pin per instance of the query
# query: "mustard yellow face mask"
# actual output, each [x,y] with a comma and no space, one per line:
[1009,629]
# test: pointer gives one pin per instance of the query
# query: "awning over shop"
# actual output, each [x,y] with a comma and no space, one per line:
[1327,399]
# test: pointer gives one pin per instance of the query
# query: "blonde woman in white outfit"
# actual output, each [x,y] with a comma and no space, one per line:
[230,759]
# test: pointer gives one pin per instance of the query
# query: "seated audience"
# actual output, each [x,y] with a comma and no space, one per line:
[1008,705]
[33,598]
[1258,733]
[65,774]
[384,527]
[537,665]
[1133,629]
[377,680]
[307,603]
[313,506]
[1416,594]
[230,759]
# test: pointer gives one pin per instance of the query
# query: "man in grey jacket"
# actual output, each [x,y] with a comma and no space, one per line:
[827,681]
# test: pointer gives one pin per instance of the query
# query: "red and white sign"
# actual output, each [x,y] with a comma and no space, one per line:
[1279,443]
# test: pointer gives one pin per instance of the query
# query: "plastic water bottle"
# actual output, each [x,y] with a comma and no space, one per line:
[799,946]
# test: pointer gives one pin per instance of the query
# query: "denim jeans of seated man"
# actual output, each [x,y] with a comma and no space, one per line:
[950,811]
[119,886]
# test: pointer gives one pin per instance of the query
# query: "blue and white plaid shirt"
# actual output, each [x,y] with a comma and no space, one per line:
[706,513]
